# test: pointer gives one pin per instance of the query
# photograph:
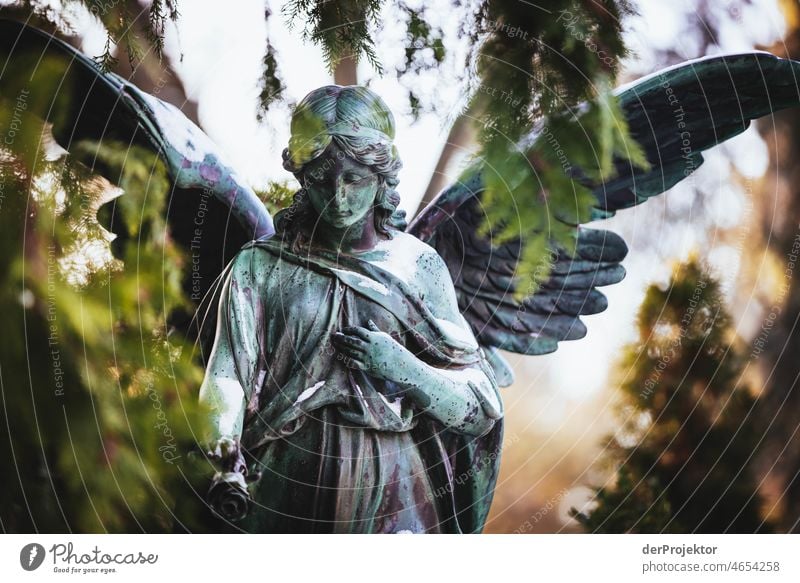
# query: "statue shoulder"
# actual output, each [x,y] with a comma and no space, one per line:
[425,268]
[414,248]
[410,258]
[254,261]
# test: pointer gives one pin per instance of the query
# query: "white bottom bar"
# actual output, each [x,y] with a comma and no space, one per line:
[405,558]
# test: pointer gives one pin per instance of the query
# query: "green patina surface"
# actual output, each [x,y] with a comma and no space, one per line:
[343,373]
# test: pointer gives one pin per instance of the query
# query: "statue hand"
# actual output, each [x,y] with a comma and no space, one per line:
[226,454]
[228,495]
[376,353]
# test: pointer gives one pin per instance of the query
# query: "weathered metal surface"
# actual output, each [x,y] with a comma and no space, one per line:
[342,366]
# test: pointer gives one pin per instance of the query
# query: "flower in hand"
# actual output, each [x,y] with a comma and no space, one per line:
[228,495]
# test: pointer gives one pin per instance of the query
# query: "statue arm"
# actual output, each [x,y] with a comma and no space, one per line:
[224,398]
[221,391]
[234,357]
[464,399]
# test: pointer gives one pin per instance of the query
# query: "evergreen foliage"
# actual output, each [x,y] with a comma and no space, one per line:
[683,458]
[98,391]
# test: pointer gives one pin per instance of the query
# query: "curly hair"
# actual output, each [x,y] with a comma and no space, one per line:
[361,125]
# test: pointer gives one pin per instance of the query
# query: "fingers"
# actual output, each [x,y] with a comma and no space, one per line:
[355,363]
[221,448]
[252,477]
[354,343]
[226,453]
[362,333]
[353,347]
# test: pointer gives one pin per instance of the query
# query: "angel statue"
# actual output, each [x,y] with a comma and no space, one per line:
[354,372]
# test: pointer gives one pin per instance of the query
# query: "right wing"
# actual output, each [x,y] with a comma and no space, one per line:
[674,115]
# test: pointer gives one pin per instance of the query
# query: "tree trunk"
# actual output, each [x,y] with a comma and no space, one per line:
[461,135]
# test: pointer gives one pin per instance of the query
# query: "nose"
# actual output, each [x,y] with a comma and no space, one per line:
[339,191]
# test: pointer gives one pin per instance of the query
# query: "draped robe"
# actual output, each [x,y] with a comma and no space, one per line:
[340,450]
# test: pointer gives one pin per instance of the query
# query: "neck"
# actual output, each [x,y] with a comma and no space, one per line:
[358,237]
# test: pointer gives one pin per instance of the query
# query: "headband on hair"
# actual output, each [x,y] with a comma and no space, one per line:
[355,130]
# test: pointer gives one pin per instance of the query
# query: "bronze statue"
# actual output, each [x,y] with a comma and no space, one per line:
[355,365]
[341,359]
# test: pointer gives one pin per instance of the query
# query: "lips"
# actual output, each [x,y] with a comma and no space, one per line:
[340,215]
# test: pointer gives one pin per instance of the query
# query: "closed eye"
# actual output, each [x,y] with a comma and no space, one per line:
[353,178]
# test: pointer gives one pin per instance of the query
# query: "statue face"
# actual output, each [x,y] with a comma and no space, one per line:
[341,190]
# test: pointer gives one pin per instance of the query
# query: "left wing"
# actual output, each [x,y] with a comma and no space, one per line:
[674,115]
[83,104]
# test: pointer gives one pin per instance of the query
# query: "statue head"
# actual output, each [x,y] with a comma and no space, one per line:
[341,151]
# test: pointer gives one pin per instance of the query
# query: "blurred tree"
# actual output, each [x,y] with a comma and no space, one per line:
[764,297]
[98,392]
[773,283]
[683,457]
[98,389]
